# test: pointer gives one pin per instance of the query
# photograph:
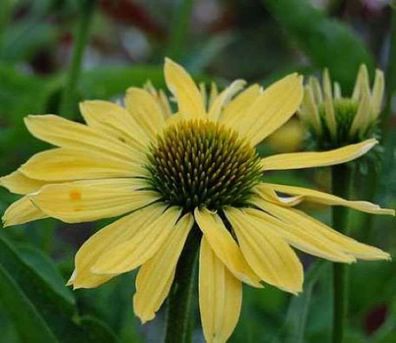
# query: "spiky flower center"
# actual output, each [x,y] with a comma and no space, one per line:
[199,163]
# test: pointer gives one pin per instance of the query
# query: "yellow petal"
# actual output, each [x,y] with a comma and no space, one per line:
[161,99]
[236,110]
[362,81]
[18,183]
[80,201]
[182,86]
[328,235]
[267,192]
[267,253]
[220,296]
[113,120]
[300,160]
[328,199]
[65,133]
[69,164]
[362,117]
[223,98]
[145,110]
[377,94]
[310,111]
[155,277]
[225,246]
[20,212]
[328,104]
[271,110]
[135,251]
[298,237]
[110,236]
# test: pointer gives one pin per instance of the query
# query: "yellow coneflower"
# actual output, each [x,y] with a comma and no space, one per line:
[171,175]
[334,119]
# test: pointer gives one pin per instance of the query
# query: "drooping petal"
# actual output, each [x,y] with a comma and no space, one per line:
[135,251]
[182,86]
[18,183]
[20,212]
[116,233]
[113,120]
[155,277]
[298,237]
[269,255]
[223,98]
[300,160]
[63,164]
[271,110]
[80,201]
[317,229]
[67,134]
[220,296]
[145,110]
[225,246]
[327,199]
[265,191]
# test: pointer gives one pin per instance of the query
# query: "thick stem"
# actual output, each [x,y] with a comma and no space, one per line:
[179,325]
[341,177]
[80,42]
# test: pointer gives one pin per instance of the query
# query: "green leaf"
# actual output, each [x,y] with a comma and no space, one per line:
[47,270]
[30,325]
[107,82]
[327,42]
[39,313]
[297,313]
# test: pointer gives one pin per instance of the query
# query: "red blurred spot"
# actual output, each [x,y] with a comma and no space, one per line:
[129,12]
[375,318]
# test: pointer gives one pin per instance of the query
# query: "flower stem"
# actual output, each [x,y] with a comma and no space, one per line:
[179,325]
[80,41]
[341,182]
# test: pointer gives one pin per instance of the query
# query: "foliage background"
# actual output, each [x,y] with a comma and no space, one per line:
[258,40]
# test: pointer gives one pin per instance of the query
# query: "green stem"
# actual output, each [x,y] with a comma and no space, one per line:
[341,182]
[179,326]
[80,41]
[390,76]
[179,29]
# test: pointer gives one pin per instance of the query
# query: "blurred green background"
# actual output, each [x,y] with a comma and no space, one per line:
[127,40]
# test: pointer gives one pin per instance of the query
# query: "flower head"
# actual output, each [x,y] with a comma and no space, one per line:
[172,174]
[335,120]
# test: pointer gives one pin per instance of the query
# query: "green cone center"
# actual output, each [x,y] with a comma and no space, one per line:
[198,163]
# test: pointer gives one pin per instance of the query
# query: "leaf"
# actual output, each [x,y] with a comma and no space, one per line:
[31,326]
[297,313]
[39,313]
[47,270]
[327,42]
[107,82]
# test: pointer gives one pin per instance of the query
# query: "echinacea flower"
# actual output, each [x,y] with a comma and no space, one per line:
[335,119]
[173,174]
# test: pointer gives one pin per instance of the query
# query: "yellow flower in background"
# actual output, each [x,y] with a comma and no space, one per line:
[335,120]
[171,174]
